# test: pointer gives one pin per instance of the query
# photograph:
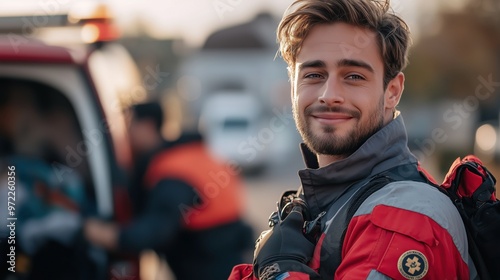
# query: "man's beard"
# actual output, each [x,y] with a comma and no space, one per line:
[336,145]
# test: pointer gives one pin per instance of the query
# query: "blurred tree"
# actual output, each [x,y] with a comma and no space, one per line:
[447,61]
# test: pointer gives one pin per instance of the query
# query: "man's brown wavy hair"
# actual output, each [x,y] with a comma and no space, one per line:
[392,32]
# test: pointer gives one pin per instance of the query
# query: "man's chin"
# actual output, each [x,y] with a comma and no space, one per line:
[334,136]
[329,141]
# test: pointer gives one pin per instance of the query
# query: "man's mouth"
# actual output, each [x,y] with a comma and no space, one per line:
[331,117]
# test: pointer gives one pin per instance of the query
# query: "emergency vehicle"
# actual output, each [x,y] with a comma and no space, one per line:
[64,83]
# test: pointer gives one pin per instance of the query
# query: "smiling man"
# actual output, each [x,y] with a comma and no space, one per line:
[345,61]
[339,96]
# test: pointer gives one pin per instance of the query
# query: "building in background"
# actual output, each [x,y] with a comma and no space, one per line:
[240,89]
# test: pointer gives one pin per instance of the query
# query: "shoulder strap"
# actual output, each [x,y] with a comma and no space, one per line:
[343,209]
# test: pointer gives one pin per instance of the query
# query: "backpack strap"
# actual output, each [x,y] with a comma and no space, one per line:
[343,209]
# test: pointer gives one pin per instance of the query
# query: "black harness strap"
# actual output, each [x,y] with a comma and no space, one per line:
[343,209]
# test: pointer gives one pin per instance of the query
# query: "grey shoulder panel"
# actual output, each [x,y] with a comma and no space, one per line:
[424,199]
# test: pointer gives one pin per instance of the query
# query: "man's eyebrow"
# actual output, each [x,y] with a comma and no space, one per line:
[355,63]
[312,64]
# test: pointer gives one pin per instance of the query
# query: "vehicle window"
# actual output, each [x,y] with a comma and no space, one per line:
[41,135]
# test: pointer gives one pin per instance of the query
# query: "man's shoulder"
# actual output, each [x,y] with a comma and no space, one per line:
[411,205]
[418,198]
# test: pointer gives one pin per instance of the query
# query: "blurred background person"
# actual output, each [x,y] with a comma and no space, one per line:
[188,206]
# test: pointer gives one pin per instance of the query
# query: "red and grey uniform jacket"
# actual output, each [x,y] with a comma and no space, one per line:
[406,230]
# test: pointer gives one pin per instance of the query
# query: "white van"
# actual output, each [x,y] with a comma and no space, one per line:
[231,122]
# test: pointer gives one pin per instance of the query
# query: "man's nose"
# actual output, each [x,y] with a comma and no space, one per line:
[331,93]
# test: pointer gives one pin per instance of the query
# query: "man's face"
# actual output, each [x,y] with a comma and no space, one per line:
[338,94]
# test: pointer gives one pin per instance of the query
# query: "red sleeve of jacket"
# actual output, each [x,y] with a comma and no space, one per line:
[242,272]
[245,272]
[400,244]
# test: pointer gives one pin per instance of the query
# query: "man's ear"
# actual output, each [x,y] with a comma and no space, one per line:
[394,91]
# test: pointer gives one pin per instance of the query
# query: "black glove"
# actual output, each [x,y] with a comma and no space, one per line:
[286,249]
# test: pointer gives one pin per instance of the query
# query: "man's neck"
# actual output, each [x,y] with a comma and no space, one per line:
[324,160]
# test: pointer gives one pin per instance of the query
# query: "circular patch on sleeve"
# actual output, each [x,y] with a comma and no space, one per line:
[413,265]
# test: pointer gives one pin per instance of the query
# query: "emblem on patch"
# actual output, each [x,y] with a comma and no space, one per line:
[413,265]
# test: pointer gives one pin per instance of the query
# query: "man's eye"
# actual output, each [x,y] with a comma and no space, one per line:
[355,77]
[312,76]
